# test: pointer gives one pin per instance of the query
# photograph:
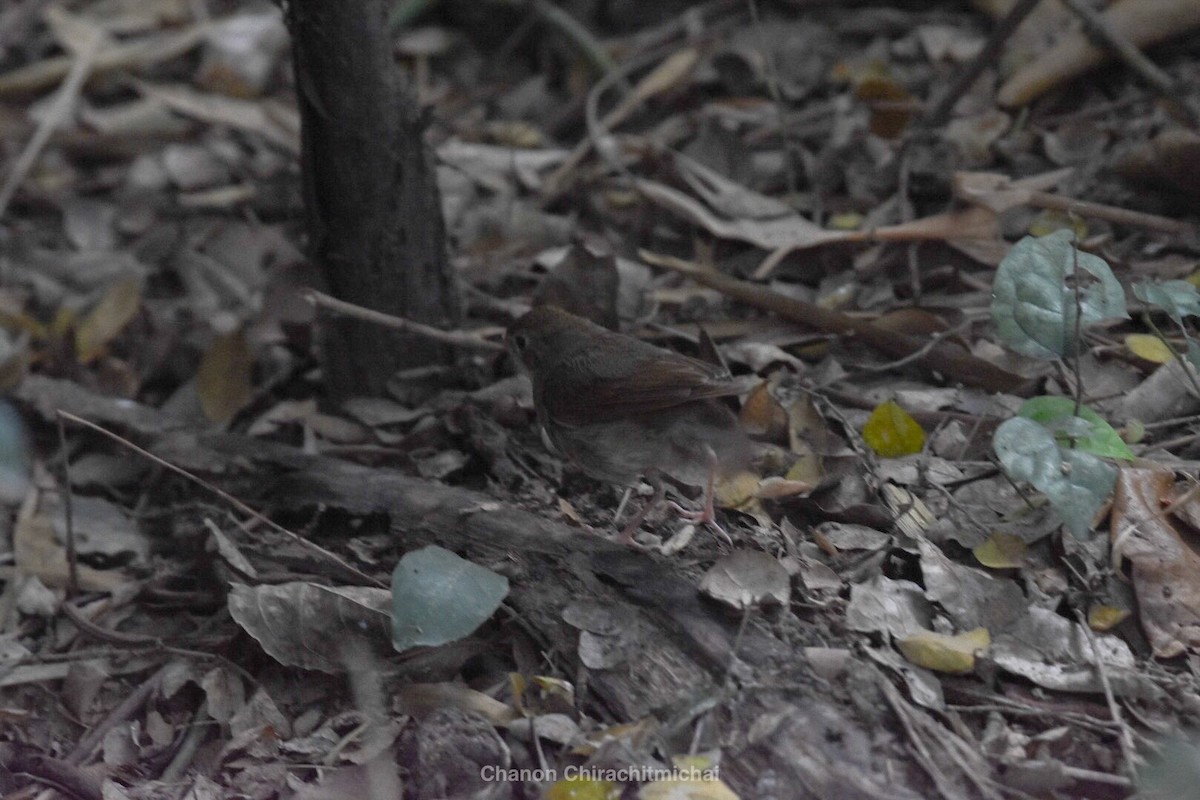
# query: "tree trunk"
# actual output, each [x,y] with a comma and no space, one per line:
[372,205]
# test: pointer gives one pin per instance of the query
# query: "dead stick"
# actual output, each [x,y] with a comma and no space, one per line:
[943,357]
[1101,32]
[470,341]
[228,498]
[1121,216]
[983,59]
[60,109]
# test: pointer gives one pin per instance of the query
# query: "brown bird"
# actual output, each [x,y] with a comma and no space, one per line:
[621,409]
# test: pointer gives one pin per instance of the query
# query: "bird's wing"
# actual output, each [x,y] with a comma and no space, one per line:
[581,389]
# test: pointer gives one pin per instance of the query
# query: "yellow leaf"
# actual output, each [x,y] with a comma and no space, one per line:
[1049,221]
[1133,431]
[583,788]
[776,488]
[849,221]
[942,653]
[517,684]
[110,316]
[223,379]
[892,432]
[1148,347]
[693,783]
[22,323]
[1001,551]
[671,71]
[699,761]
[64,320]
[619,199]
[569,511]
[515,134]
[806,469]
[555,687]
[737,490]
[887,121]
[538,694]
[1105,618]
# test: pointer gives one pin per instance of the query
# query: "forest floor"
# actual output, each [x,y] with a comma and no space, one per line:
[954,259]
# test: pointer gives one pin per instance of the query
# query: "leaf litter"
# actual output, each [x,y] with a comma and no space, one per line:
[771,202]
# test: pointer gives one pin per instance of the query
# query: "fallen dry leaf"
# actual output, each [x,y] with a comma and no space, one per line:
[110,316]
[1141,22]
[223,380]
[1166,571]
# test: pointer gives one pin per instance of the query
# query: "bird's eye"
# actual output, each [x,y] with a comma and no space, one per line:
[520,341]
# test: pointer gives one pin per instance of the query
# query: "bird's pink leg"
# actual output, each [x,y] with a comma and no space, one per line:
[660,493]
[708,514]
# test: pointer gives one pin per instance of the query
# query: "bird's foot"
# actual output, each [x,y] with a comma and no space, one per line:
[705,516]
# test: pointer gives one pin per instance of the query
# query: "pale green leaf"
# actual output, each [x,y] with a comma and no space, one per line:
[1089,432]
[1035,309]
[1075,483]
[438,597]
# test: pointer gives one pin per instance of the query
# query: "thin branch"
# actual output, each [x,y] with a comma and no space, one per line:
[467,340]
[1128,751]
[1103,35]
[68,509]
[1121,216]
[578,34]
[81,68]
[228,498]
[983,59]
[124,710]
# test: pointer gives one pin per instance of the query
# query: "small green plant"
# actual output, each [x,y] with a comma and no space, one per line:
[1046,292]
[1177,299]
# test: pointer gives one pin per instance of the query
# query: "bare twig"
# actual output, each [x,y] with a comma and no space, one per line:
[945,358]
[185,752]
[228,498]
[72,555]
[658,80]
[67,778]
[153,49]
[983,59]
[771,74]
[1125,737]
[91,740]
[917,744]
[471,341]
[1121,216]
[575,31]
[1102,34]
[81,67]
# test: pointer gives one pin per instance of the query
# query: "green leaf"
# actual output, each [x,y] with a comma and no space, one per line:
[1075,483]
[438,597]
[1090,431]
[1034,308]
[1177,298]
